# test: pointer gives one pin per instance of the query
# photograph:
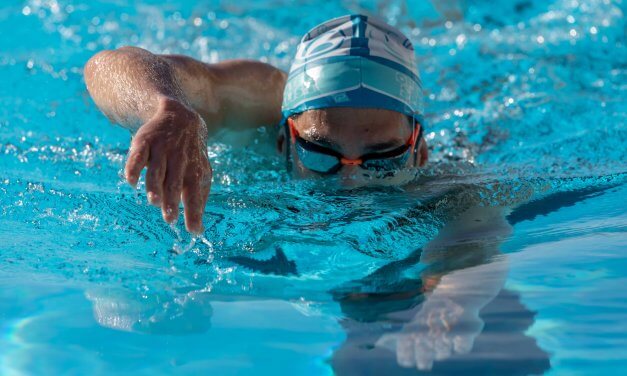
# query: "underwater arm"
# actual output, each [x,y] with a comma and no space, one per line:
[172,104]
[468,245]
[466,259]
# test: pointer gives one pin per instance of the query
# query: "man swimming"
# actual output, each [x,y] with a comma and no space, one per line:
[351,107]
[352,103]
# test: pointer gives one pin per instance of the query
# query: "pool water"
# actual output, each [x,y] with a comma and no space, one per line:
[526,118]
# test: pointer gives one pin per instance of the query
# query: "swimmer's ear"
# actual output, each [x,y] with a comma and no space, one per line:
[290,126]
[283,134]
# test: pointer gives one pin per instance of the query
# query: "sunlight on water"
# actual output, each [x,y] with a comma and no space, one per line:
[525,110]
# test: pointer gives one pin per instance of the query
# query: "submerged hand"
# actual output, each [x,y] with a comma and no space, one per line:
[172,145]
[438,331]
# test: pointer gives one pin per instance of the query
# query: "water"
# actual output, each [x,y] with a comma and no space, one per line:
[525,110]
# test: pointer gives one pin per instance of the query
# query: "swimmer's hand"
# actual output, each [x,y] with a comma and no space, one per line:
[440,329]
[172,145]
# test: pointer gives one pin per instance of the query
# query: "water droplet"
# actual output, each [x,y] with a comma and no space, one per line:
[460,40]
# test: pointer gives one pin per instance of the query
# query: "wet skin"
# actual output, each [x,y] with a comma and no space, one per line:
[173,104]
[354,132]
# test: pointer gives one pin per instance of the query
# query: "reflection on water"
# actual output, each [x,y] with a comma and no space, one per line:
[422,312]
[501,347]
[439,315]
[524,120]
[152,313]
[442,308]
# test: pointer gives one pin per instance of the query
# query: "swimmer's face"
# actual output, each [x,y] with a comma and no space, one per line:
[353,133]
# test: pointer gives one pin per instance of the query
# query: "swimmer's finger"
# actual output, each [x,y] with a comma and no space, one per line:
[196,186]
[194,200]
[137,160]
[405,351]
[196,189]
[172,187]
[154,179]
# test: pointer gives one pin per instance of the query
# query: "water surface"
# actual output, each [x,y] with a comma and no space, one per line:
[525,112]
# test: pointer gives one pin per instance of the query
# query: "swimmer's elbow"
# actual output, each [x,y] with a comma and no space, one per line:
[94,80]
[95,73]
[107,62]
[125,83]
[91,67]
[96,69]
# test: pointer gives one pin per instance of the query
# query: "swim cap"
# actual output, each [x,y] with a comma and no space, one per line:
[354,61]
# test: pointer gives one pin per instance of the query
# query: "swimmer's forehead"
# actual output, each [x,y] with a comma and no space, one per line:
[354,131]
[339,121]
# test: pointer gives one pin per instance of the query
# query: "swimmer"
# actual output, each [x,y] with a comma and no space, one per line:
[351,103]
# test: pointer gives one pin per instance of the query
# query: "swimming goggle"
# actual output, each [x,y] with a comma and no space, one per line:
[328,161]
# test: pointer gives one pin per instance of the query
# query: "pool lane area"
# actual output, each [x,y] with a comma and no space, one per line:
[525,118]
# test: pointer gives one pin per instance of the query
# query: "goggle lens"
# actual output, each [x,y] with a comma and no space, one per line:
[316,161]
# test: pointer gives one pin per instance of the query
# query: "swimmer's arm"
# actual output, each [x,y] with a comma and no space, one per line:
[469,246]
[171,104]
[471,271]
[127,84]
[448,321]
[231,93]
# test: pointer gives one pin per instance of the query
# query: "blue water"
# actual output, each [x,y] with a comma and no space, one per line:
[526,112]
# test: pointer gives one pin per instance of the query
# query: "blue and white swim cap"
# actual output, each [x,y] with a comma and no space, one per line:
[354,61]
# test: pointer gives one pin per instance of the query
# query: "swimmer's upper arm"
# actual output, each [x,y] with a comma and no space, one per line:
[234,93]
[467,247]
[127,84]
[476,224]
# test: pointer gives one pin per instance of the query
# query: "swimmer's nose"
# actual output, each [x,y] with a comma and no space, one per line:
[349,170]
[350,176]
